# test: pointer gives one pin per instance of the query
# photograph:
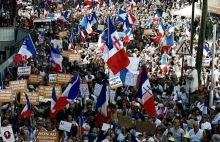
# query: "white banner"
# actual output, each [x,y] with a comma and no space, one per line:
[24,70]
[7,134]
[65,126]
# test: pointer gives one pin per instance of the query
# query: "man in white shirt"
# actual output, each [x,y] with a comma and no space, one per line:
[195,133]
[204,124]
[217,117]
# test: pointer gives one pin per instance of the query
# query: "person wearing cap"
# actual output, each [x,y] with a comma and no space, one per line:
[171,139]
[186,138]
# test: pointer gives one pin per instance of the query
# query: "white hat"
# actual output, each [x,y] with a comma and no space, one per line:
[213,107]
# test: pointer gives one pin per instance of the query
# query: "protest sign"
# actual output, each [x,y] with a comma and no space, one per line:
[41,90]
[84,90]
[93,45]
[100,27]
[106,126]
[74,57]
[131,79]
[47,136]
[66,54]
[124,121]
[97,89]
[64,78]
[148,127]
[7,134]
[59,7]
[57,42]
[52,78]
[24,70]
[35,79]
[18,85]
[32,96]
[63,34]
[115,82]
[48,91]
[148,32]
[5,95]
[65,126]
[206,62]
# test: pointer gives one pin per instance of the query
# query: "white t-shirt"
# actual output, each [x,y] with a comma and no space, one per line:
[206,125]
[197,136]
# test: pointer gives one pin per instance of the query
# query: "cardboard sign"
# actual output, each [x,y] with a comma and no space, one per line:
[47,136]
[59,7]
[148,32]
[63,34]
[41,90]
[7,134]
[93,45]
[65,126]
[5,95]
[35,79]
[52,78]
[115,82]
[148,127]
[18,85]
[32,96]
[124,121]
[24,70]
[74,57]
[66,54]
[48,91]
[57,42]
[100,27]
[206,62]
[84,90]
[63,78]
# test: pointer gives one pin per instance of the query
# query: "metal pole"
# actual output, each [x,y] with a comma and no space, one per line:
[213,58]
[192,27]
[182,82]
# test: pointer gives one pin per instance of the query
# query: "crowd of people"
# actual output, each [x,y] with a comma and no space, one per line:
[180,102]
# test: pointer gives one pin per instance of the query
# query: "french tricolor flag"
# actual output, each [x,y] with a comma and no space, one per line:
[122,15]
[205,107]
[26,112]
[103,38]
[3,85]
[179,5]
[117,57]
[148,23]
[53,102]
[161,30]
[168,43]
[46,11]
[157,16]
[56,58]
[102,106]
[26,51]
[89,3]
[206,50]
[87,25]
[132,5]
[19,3]
[187,35]
[164,62]
[81,34]
[61,20]
[145,95]
[94,18]
[70,93]
[127,37]
[132,19]
[81,124]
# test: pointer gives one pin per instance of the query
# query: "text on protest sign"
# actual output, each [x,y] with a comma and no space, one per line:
[24,70]
[47,136]
[41,90]
[18,86]
[84,90]
[5,95]
[35,79]
[66,54]
[115,82]
[7,134]
[148,127]
[65,126]
[74,57]
[58,43]
[32,96]
[52,78]
[205,62]
[48,91]
[124,121]
[63,78]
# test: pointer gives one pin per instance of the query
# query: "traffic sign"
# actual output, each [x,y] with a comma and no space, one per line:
[183,49]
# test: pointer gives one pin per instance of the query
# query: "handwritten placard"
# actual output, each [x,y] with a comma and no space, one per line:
[115,82]
[124,121]
[84,90]
[5,95]
[148,127]
[66,54]
[32,96]
[24,70]
[41,90]
[205,62]
[131,79]
[18,85]
[47,136]
[65,126]
[63,78]
[74,57]
[48,91]
[52,78]
[35,79]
